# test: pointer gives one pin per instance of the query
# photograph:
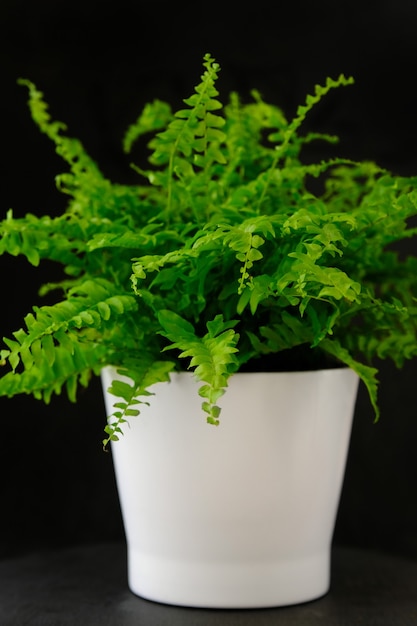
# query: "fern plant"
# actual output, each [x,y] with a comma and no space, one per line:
[221,255]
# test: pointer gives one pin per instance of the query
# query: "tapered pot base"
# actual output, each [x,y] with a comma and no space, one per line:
[236,585]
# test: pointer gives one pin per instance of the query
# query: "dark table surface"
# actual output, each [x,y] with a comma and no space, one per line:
[86,586]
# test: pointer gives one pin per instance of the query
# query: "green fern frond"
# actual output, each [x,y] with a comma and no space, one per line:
[366,373]
[212,356]
[90,306]
[147,372]
[289,333]
[192,139]
[289,134]
[320,91]
[196,128]
[69,369]
[40,237]
[71,150]
[154,116]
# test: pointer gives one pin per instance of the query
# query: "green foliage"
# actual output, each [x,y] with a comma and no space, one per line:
[211,356]
[220,255]
[138,375]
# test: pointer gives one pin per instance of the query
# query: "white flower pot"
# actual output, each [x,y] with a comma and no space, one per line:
[240,515]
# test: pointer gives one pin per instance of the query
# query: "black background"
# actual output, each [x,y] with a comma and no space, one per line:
[98,63]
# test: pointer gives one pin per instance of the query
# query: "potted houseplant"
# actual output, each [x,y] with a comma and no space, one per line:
[221,263]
